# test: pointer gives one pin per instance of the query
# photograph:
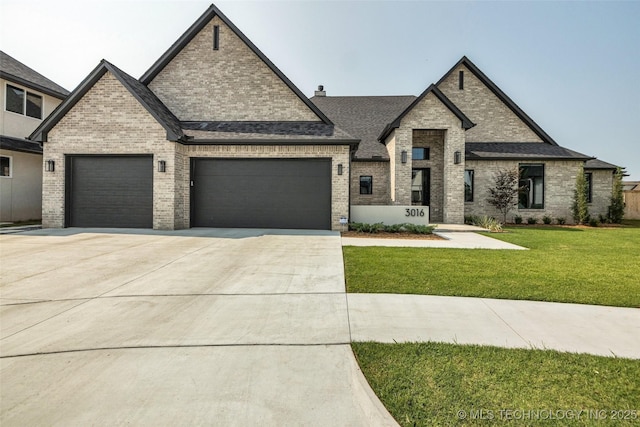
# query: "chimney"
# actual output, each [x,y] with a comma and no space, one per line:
[320,91]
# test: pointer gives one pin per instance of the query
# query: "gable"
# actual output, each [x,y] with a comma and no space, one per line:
[495,120]
[107,112]
[231,83]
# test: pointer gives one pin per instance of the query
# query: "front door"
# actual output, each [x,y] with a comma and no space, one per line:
[420,186]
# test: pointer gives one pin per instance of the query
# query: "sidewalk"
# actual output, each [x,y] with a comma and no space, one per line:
[580,328]
[453,239]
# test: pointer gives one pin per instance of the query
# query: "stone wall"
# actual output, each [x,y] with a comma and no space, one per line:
[602,186]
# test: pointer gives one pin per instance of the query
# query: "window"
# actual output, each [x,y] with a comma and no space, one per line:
[366,185]
[420,153]
[5,166]
[468,185]
[531,187]
[461,80]
[22,102]
[589,177]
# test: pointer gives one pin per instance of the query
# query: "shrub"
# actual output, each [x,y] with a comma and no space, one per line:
[561,221]
[616,209]
[532,220]
[593,222]
[418,229]
[361,227]
[469,219]
[395,228]
[517,219]
[580,207]
[489,223]
[546,219]
[603,219]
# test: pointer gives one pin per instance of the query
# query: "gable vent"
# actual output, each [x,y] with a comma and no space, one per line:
[216,37]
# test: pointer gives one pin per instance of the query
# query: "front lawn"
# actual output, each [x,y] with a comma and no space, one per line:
[446,384]
[577,265]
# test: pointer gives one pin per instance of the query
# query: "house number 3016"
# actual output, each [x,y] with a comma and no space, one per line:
[414,212]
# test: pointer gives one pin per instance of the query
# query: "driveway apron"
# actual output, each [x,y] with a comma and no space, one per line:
[203,326]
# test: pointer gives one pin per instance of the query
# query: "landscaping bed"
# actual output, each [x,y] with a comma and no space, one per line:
[386,235]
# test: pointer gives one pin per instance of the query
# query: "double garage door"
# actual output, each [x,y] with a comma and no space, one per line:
[261,193]
[117,191]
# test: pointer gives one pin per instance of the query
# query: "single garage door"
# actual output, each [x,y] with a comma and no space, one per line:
[110,191]
[261,193]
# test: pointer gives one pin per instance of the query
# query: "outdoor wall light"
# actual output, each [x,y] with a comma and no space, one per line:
[339,168]
[403,156]
[457,157]
[162,166]
[50,166]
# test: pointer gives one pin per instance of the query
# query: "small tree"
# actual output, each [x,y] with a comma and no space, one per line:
[504,193]
[616,209]
[580,207]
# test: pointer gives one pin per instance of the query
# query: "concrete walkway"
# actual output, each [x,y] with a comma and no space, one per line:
[577,328]
[452,239]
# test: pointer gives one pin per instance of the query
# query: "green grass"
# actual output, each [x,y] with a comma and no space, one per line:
[429,383]
[577,265]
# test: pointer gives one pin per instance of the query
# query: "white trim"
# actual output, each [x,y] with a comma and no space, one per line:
[10,167]
[24,101]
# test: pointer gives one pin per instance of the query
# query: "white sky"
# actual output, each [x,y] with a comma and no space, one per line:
[571,66]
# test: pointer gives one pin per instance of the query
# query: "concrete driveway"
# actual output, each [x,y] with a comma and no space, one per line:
[225,327]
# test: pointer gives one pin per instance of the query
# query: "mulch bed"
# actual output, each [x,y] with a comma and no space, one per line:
[384,235]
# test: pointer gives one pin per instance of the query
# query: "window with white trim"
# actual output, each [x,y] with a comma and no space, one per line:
[20,101]
[5,166]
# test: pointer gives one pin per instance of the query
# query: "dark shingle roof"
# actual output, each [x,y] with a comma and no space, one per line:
[466,123]
[19,144]
[599,164]
[520,151]
[264,132]
[364,117]
[15,71]
[142,93]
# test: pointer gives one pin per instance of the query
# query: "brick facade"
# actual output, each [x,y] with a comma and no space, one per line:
[431,114]
[228,84]
[559,186]
[495,122]
[602,186]
[379,171]
[108,120]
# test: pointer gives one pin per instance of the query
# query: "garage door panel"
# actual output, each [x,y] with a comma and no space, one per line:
[110,191]
[262,193]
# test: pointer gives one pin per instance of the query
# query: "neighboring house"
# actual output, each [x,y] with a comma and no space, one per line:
[631,194]
[27,98]
[214,135]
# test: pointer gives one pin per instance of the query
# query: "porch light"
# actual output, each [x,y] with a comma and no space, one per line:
[162,166]
[339,168]
[403,156]
[457,157]
[50,166]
